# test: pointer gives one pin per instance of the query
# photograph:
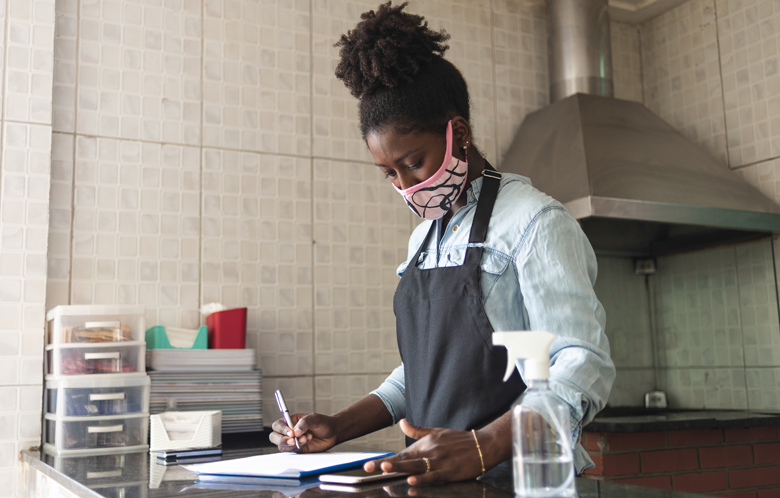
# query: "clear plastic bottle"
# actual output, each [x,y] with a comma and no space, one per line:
[542,450]
[542,454]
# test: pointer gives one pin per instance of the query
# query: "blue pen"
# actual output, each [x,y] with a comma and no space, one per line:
[286,415]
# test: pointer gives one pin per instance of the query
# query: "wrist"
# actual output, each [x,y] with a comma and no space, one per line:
[341,427]
[495,447]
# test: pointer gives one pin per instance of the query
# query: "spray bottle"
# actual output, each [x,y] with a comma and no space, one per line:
[542,455]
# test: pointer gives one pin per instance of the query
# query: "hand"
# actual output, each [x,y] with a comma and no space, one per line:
[315,433]
[453,456]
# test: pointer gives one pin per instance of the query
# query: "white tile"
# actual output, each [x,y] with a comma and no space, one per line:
[257,76]
[681,68]
[698,316]
[336,129]
[361,233]
[29,63]
[8,397]
[135,241]
[298,394]
[624,297]
[747,36]
[65,66]
[521,74]
[7,452]
[758,303]
[137,81]
[626,61]
[630,387]
[256,251]
[8,429]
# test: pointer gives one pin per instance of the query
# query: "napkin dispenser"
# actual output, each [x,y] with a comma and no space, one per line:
[184,430]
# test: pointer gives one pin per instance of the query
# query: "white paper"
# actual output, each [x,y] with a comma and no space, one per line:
[283,464]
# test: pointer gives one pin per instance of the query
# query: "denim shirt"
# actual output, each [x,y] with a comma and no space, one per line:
[538,272]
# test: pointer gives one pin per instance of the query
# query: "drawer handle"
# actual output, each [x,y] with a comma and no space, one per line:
[102,325]
[105,428]
[108,473]
[102,356]
[105,397]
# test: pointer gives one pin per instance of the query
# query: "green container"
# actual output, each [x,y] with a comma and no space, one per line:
[157,338]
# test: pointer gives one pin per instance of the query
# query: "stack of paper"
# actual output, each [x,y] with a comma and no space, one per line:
[285,465]
[201,360]
[237,394]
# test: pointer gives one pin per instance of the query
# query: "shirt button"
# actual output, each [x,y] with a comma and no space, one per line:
[454,228]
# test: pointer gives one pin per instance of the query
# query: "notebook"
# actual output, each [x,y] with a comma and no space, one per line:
[286,465]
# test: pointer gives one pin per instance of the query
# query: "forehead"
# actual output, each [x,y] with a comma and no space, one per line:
[389,145]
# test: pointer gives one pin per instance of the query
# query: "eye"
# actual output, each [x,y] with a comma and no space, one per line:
[389,174]
[415,166]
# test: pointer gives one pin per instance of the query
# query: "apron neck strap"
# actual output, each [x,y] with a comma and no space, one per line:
[491,179]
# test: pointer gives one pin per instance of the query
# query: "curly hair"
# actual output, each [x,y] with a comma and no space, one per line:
[393,63]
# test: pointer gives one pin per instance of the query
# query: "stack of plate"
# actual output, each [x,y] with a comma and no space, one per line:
[201,360]
[237,394]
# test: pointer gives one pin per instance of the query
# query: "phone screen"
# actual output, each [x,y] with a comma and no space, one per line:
[359,476]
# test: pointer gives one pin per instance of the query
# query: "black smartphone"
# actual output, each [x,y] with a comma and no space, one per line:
[360,476]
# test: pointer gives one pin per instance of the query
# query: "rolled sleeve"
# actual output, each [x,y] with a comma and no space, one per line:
[557,269]
[392,393]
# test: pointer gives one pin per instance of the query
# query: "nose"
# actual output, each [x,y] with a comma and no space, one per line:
[405,180]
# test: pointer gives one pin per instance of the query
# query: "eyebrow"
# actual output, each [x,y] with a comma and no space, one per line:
[399,159]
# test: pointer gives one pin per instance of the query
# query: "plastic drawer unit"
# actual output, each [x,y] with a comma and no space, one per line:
[88,324]
[93,435]
[90,359]
[90,396]
[95,470]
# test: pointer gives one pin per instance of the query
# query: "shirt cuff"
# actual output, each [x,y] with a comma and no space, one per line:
[392,393]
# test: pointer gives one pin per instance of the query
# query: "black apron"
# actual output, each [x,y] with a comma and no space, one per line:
[453,373]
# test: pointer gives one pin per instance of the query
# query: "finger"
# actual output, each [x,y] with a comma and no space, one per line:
[377,464]
[280,426]
[303,423]
[431,477]
[287,447]
[411,466]
[276,438]
[414,431]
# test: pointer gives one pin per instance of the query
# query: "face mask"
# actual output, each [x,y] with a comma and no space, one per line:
[435,196]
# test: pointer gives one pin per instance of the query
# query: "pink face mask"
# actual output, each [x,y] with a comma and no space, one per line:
[435,196]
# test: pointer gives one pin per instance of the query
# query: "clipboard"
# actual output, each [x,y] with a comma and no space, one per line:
[286,465]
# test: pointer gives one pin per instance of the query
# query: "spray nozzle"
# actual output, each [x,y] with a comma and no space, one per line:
[534,347]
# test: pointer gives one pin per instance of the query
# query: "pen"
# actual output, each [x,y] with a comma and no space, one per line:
[286,415]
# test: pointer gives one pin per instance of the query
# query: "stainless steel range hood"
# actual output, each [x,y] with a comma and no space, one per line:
[638,187]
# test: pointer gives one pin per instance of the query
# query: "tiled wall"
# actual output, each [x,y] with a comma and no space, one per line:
[624,296]
[682,72]
[710,69]
[26,52]
[717,327]
[204,151]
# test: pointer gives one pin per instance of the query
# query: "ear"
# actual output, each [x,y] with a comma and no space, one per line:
[461,135]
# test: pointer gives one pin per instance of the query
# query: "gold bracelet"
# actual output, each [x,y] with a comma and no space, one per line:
[482,460]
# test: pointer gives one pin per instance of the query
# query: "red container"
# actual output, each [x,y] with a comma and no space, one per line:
[227,329]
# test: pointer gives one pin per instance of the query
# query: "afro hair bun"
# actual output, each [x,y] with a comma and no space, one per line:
[386,49]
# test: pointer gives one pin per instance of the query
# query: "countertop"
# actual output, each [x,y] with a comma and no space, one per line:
[641,420]
[134,475]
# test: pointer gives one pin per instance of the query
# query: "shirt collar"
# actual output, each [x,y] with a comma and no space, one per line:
[473,193]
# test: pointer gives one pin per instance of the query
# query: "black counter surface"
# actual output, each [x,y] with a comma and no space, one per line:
[136,475]
[643,420]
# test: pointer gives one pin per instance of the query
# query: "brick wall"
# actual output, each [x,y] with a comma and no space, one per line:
[737,463]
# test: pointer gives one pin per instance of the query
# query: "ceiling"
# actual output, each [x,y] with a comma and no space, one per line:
[639,11]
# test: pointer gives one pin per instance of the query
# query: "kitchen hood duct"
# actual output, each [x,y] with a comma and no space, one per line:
[637,186]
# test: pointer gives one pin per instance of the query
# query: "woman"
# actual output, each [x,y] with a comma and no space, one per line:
[496,255]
